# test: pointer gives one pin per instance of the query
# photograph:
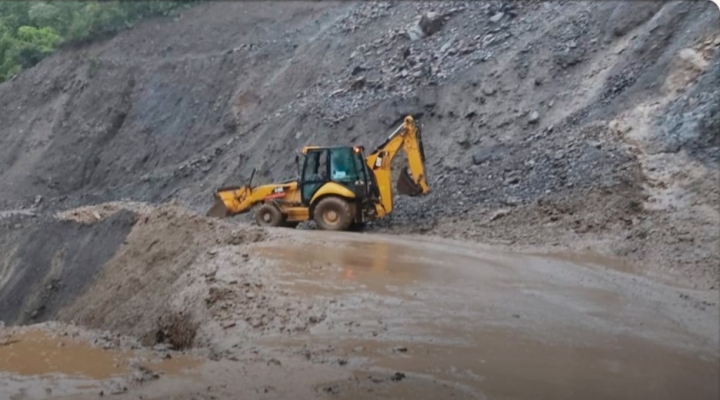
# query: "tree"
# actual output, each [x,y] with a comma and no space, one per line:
[31,30]
[44,14]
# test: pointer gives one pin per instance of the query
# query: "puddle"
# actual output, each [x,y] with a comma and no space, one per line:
[391,386]
[590,260]
[503,365]
[377,266]
[37,353]
[508,326]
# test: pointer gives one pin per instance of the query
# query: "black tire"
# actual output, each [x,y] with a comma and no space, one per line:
[358,226]
[333,214]
[290,224]
[268,215]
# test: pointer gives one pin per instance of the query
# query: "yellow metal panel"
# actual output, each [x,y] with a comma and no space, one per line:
[297,214]
[335,189]
[293,195]
[242,200]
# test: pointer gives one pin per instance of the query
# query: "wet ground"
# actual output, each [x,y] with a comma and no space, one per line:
[423,319]
[36,363]
[508,325]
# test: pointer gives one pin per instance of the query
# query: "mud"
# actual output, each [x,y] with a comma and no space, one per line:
[38,353]
[49,361]
[351,315]
[503,325]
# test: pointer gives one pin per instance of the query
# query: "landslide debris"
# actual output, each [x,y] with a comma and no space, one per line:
[591,122]
[161,274]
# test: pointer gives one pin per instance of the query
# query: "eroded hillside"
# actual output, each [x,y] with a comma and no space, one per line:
[572,124]
[573,153]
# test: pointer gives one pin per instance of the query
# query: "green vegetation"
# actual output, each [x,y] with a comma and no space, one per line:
[31,30]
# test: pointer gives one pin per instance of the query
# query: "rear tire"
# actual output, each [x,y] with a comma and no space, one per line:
[333,214]
[268,215]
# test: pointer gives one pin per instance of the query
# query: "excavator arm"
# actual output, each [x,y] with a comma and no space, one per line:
[412,183]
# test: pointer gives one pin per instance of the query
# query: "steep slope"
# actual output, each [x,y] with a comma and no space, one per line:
[576,124]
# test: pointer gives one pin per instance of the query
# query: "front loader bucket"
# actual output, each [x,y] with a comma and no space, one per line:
[231,201]
[406,185]
[218,210]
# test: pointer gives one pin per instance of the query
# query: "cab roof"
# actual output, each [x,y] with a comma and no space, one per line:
[305,149]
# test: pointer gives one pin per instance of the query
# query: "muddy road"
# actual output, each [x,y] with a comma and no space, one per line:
[404,317]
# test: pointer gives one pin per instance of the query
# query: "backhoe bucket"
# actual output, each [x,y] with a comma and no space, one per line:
[218,210]
[406,185]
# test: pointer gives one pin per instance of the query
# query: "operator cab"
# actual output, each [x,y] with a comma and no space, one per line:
[343,165]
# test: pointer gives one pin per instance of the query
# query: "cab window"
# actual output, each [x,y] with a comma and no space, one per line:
[315,166]
[342,165]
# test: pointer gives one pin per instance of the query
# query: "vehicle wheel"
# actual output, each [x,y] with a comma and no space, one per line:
[268,215]
[333,214]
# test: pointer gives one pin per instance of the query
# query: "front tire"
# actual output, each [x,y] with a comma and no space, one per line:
[333,214]
[268,215]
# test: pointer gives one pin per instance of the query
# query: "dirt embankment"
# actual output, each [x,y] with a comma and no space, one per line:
[545,123]
[47,262]
[159,274]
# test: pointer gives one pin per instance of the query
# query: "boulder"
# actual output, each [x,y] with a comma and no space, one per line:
[425,25]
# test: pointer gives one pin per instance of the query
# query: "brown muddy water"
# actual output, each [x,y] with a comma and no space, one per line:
[35,352]
[35,364]
[501,325]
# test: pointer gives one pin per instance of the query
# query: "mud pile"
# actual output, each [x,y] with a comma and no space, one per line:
[159,274]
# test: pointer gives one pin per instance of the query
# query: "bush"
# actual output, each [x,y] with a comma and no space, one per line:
[32,30]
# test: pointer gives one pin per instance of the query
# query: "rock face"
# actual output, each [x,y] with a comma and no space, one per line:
[430,23]
[497,17]
[629,15]
[534,117]
[427,24]
[493,153]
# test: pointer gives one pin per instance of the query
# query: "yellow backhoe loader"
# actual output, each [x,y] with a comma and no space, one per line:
[338,187]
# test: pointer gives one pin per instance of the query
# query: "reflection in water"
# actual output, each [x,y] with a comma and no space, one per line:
[376,264]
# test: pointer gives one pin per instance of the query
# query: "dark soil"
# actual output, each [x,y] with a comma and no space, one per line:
[176,329]
[47,263]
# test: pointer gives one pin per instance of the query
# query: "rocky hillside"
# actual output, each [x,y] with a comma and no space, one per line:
[575,124]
